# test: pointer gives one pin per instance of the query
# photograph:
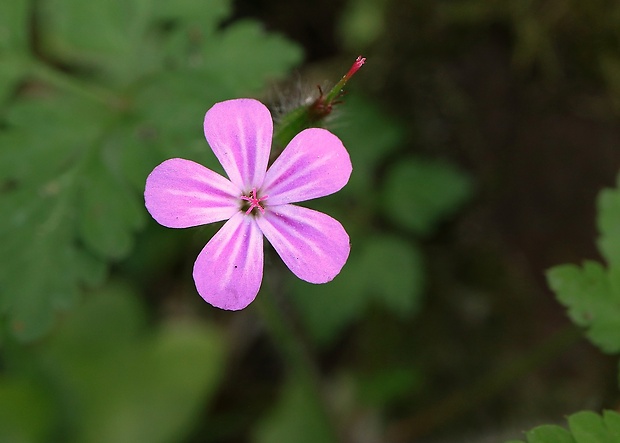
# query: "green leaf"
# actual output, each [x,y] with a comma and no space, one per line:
[549,434]
[43,274]
[370,135]
[328,308]
[109,213]
[395,273]
[47,137]
[14,16]
[14,21]
[126,383]
[383,387]
[584,427]
[172,108]
[588,427]
[294,418]
[244,56]
[418,194]
[612,423]
[109,34]
[362,23]
[608,221]
[384,271]
[591,303]
[42,166]
[26,412]
[205,17]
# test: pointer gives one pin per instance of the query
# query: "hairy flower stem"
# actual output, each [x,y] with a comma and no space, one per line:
[298,358]
[312,115]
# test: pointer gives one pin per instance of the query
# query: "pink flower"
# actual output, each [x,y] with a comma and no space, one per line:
[255,202]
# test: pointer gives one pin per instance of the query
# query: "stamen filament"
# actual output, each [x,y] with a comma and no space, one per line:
[254,201]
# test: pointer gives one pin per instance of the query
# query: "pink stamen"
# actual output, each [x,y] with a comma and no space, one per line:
[254,201]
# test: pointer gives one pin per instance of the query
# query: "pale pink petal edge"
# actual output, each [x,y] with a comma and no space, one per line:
[314,164]
[229,269]
[239,132]
[181,193]
[313,245]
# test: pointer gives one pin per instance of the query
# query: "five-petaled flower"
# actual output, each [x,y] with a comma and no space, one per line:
[255,202]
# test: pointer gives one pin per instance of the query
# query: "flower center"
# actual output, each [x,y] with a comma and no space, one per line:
[253,202]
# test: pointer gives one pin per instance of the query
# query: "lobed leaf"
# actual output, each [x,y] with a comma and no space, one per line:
[549,434]
[250,56]
[107,34]
[591,302]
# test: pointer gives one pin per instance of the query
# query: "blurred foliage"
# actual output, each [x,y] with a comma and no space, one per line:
[583,427]
[104,376]
[293,419]
[94,94]
[107,90]
[384,270]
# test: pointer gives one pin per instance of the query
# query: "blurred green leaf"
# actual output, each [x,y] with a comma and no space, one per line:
[294,419]
[40,165]
[248,55]
[14,17]
[383,271]
[362,22]
[45,138]
[549,434]
[42,274]
[591,303]
[328,308]
[395,273]
[387,385]
[369,135]
[26,413]
[588,427]
[109,34]
[109,212]
[608,221]
[584,427]
[118,382]
[418,194]
[172,106]
[207,14]
[14,25]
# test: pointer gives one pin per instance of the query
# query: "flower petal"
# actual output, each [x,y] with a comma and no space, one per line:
[313,245]
[314,164]
[229,269]
[180,193]
[239,133]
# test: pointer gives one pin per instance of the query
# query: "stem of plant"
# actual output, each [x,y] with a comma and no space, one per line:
[298,358]
[312,115]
